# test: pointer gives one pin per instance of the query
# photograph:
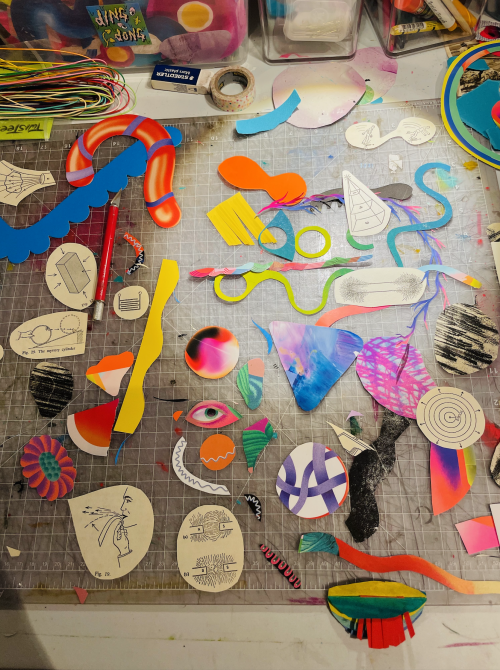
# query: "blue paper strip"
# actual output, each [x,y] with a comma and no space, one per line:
[428,225]
[271,120]
[266,335]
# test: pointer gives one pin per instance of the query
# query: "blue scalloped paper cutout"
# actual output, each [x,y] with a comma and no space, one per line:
[282,221]
[17,244]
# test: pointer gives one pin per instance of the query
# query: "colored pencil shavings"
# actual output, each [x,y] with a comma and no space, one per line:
[466,339]
[255,439]
[212,352]
[452,474]
[230,219]
[109,372]
[377,611]
[314,358]
[277,266]
[140,253]
[310,542]
[51,387]
[282,566]
[212,414]
[478,534]
[91,429]
[48,467]
[254,504]
[250,380]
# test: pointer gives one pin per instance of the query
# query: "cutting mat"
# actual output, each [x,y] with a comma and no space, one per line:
[50,563]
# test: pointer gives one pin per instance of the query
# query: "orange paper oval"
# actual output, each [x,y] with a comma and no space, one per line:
[217,452]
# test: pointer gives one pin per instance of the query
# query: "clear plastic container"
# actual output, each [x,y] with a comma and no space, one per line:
[410,26]
[211,33]
[312,30]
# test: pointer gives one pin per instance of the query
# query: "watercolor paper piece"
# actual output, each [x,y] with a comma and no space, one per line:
[351,444]
[493,232]
[466,339]
[51,387]
[277,266]
[245,173]
[230,218]
[250,381]
[109,372]
[17,183]
[495,465]
[313,358]
[81,594]
[474,109]
[281,221]
[254,504]
[428,225]
[210,549]
[378,71]
[395,163]
[131,302]
[282,566]
[140,253]
[212,352]
[379,611]
[152,341]
[71,275]
[252,280]
[48,468]
[328,91]
[380,287]
[271,120]
[266,335]
[452,474]
[329,318]
[383,564]
[450,417]
[478,534]
[366,213]
[379,367]
[114,527]
[255,439]
[51,336]
[18,243]
[367,470]
[366,135]
[13,553]
[191,480]
[312,482]
[495,513]
[212,414]
[217,452]
[91,429]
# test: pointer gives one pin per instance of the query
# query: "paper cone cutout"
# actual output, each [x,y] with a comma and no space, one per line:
[314,358]
[109,372]
[91,429]
[114,527]
[366,213]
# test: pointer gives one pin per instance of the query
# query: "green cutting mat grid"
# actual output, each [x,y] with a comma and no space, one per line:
[50,563]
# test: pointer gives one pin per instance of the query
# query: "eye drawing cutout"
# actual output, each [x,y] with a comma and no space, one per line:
[212,414]
[210,526]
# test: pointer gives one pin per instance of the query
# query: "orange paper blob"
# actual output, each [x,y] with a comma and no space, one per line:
[177,415]
[217,452]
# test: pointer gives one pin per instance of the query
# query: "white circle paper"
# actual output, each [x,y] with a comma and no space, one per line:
[131,302]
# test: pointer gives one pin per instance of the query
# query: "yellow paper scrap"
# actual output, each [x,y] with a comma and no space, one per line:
[230,219]
[26,129]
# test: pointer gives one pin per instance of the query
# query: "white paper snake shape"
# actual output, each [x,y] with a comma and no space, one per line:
[189,479]
[366,135]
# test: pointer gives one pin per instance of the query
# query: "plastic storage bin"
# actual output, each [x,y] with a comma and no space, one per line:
[395,22]
[312,30]
[200,32]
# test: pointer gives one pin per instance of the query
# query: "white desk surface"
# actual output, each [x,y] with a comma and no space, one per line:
[245,638]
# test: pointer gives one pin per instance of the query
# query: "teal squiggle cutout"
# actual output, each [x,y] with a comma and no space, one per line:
[428,225]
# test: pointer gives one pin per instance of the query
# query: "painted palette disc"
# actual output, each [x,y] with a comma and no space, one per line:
[212,352]
[450,418]
[466,339]
[312,482]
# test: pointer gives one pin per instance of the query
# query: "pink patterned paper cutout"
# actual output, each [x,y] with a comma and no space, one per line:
[377,366]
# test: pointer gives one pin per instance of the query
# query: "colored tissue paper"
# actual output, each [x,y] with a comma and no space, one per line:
[271,120]
[475,108]
[452,474]
[478,534]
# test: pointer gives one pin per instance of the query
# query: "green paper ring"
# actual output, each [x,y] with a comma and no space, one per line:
[449,110]
[317,229]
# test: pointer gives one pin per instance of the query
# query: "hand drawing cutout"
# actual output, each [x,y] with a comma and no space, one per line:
[114,527]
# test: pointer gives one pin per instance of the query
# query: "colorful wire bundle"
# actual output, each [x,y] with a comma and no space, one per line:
[86,88]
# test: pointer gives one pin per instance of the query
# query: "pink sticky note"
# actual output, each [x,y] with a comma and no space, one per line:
[478,534]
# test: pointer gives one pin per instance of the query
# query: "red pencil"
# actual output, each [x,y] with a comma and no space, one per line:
[107,252]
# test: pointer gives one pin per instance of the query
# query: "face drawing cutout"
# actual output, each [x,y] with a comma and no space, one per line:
[114,527]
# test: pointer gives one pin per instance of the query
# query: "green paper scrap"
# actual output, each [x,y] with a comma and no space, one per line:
[355,244]
[255,440]
[120,24]
[26,129]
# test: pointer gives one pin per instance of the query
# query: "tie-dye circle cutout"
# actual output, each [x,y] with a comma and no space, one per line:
[212,352]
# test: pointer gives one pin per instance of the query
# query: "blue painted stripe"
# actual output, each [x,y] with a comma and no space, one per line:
[161,143]
[160,200]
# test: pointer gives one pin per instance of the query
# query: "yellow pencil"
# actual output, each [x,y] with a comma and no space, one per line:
[418,27]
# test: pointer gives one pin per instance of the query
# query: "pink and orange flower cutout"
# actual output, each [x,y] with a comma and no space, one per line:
[48,467]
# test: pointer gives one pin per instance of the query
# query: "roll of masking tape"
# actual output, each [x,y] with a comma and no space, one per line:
[238,101]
